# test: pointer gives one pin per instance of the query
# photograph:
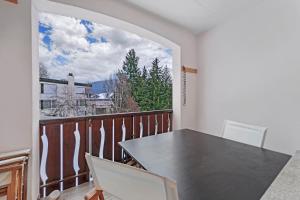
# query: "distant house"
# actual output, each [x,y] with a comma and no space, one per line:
[65,98]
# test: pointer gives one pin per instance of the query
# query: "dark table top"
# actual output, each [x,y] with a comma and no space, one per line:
[208,167]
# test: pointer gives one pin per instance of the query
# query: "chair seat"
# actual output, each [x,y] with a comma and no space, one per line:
[128,183]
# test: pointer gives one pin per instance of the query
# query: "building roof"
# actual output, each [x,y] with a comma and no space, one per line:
[49,80]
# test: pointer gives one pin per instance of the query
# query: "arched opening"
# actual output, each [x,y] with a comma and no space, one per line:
[65,10]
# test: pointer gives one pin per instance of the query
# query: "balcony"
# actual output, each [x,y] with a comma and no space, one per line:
[64,142]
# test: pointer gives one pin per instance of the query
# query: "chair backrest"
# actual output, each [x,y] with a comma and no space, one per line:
[130,183]
[244,133]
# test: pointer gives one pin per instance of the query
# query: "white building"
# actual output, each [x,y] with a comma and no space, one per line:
[66,98]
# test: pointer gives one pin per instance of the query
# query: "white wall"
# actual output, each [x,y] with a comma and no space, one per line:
[15,76]
[250,72]
[185,39]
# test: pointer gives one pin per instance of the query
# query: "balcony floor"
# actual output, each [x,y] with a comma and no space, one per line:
[77,193]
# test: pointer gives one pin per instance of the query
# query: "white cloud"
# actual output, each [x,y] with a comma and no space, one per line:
[71,52]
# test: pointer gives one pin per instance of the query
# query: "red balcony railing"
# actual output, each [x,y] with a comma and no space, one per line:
[63,143]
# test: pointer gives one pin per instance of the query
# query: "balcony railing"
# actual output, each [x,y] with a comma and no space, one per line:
[63,143]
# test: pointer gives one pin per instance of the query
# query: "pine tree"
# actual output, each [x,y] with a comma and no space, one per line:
[130,67]
[167,85]
[156,86]
[149,90]
[145,91]
[133,73]
[144,73]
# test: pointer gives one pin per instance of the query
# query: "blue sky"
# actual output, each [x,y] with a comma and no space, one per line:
[91,51]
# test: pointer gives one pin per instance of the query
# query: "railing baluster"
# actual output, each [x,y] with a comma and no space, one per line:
[113,140]
[148,125]
[123,137]
[141,127]
[133,128]
[61,185]
[76,152]
[90,145]
[162,123]
[169,123]
[43,171]
[102,141]
[90,137]
[156,125]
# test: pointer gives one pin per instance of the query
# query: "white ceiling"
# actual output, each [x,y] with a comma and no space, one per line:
[195,15]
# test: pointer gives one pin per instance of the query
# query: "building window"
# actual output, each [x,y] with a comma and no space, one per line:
[48,104]
[42,104]
[81,102]
[80,90]
[49,89]
[100,111]
[53,103]
[42,88]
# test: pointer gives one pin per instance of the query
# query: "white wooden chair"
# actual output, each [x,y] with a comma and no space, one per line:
[244,133]
[125,182]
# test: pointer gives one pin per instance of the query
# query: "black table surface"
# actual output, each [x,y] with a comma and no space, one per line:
[207,167]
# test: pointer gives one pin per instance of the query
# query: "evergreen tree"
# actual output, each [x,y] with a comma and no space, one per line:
[156,86]
[133,73]
[130,67]
[144,74]
[167,85]
[149,90]
[145,92]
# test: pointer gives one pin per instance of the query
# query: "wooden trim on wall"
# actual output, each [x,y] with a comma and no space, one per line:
[16,163]
[14,154]
[189,70]
[13,1]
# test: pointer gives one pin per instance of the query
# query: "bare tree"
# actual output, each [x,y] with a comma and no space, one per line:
[43,71]
[110,85]
[69,106]
[122,98]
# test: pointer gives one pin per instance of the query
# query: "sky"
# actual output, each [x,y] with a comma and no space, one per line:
[91,51]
